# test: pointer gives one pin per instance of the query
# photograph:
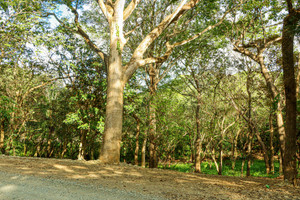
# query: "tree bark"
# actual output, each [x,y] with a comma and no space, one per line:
[289,156]
[136,152]
[198,140]
[110,151]
[275,96]
[221,158]
[265,152]
[153,160]
[242,168]
[213,155]
[2,137]
[82,145]
[280,162]
[143,162]
[64,148]
[249,151]
[233,149]
[272,168]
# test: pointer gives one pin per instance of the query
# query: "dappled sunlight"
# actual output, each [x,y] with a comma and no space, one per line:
[79,167]
[78,176]
[65,168]
[209,181]
[135,178]
[251,182]
[8,188]
[93,175]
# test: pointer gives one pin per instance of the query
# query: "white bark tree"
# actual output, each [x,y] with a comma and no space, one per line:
[118,74]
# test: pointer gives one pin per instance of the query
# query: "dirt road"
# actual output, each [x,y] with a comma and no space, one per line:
[16,186]
[36,178]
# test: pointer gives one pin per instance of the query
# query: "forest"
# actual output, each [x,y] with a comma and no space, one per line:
[155,83]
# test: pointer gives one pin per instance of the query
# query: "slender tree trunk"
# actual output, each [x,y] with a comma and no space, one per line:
[289,156]
[136,152]
[276,98]
[221,158]
[242,168]
[82,145]
[272,169]
[250,126]
[2,137]
[25,146]
[233,149]
[143,162]
[249,150]
[198,140]
[12,141]
[64,148]
[38,150]
[213,155]
[264,151]
[49,140]
[280,163]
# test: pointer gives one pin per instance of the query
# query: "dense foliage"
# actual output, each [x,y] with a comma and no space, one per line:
[214,101]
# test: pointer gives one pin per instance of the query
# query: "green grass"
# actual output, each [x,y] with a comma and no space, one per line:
[257,168]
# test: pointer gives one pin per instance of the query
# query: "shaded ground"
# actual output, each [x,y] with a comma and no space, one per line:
[153,183]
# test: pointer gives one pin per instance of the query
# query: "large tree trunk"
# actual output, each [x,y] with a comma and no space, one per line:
[289,156]
[153,159]
[137,135]
[110,151]
[198,140]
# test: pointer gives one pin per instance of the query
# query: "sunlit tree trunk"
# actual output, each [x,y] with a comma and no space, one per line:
[213,155]
[64,148]
[143,162]
[249,154]
[82,145]
[276,98]
[2,137]
[280,162]
[110,152]
[242,168]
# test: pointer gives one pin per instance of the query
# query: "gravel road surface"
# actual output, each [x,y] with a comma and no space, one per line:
[24,187]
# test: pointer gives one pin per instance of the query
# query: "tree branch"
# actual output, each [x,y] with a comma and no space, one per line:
[130,8]
[137,61]
[107,9]
[87,39]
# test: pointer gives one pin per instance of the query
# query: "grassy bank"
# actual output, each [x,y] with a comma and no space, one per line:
[257,168]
